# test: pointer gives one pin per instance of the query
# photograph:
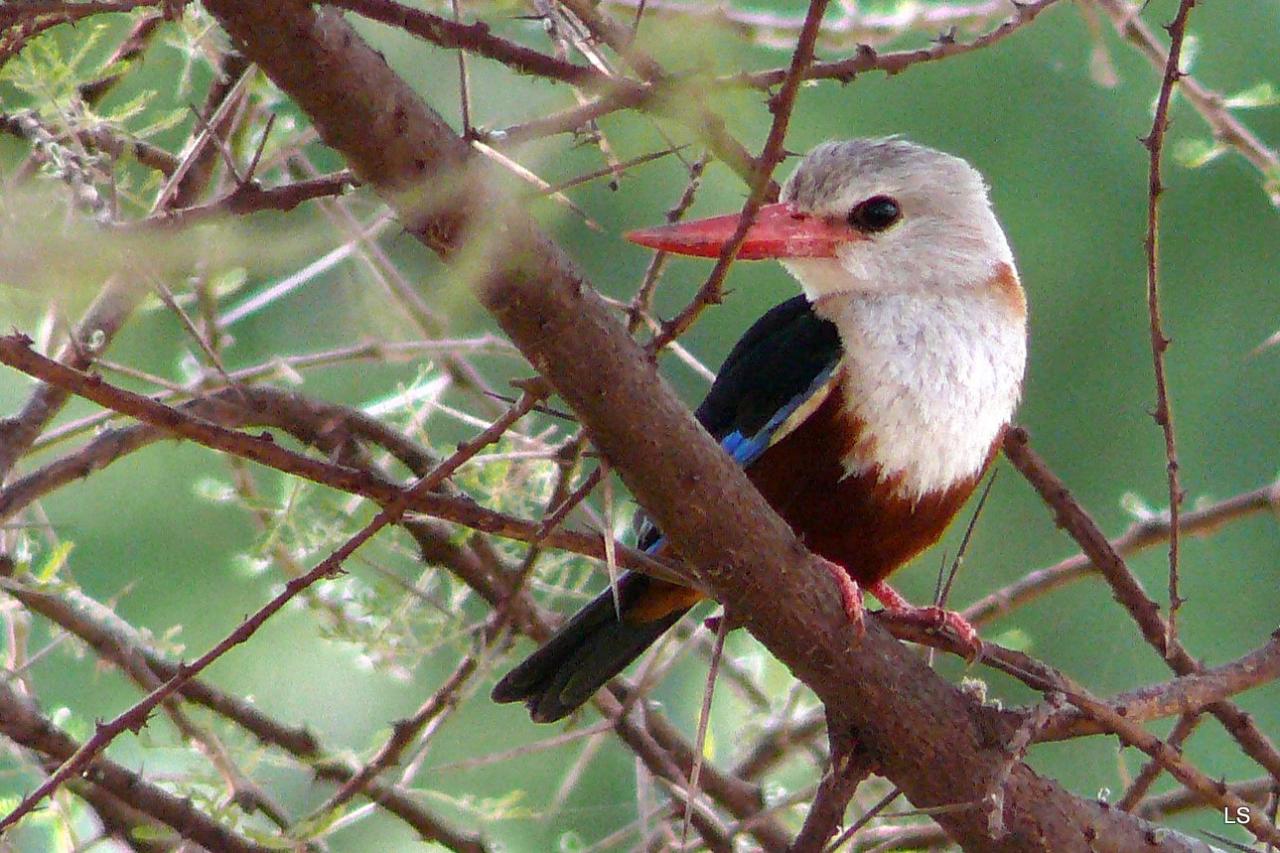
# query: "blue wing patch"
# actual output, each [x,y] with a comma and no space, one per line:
[775,377]
[747,449]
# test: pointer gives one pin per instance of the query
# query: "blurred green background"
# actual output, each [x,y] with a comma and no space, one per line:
[1068,179]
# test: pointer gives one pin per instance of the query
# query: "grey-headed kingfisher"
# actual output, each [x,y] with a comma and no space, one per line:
[864,410]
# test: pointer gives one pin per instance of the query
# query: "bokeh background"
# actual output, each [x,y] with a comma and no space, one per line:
[1051,115]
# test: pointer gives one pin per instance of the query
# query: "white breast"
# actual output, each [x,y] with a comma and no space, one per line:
[932,378]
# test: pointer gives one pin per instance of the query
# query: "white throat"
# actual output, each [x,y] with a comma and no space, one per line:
[933,378]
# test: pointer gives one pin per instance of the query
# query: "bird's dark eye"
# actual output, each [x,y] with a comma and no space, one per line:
[875,214]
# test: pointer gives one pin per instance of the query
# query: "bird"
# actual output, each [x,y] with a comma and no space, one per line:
[865,410]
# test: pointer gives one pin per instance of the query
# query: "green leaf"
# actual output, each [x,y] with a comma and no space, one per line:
[1194,153]
[54,562]
[1016,639]
[150,832]
[571,842]
[1262,94]
[1135,506]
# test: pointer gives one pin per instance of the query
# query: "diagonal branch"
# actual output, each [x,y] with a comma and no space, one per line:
[761,182]
[1211,105]
[867,59]
[1141,534]
[200,425]
[22,723]
[1127,589]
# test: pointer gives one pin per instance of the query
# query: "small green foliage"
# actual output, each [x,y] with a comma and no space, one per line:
[1271,186]
[570,842]
[1263,94]
[1016,639]
[317,826]
[74,725]
[143,117]
[51,68]
[1190,53]
[1194,153]
[1137,508]
[54,562]
[214,490]
[228,281]
[147,832]
[505,807]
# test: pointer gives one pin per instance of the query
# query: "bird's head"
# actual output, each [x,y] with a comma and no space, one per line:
[867,216]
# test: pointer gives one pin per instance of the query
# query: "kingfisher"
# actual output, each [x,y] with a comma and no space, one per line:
[865,410]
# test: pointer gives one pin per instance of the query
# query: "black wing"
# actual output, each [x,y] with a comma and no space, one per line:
[782,361]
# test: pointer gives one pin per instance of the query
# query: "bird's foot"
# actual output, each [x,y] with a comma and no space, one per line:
[933,618]
[850,595]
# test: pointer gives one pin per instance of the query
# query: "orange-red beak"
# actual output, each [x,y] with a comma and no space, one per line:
[779,231]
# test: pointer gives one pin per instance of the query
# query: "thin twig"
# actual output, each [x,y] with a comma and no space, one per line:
[135,718]
[771,155]
[1141,534]
[1211,105]
[16,352]
[22,723]
[1128,590]
[704,720]
[866,59]
[1147,776]
[1163,414]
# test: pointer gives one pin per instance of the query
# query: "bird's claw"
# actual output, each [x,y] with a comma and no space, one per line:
[931,618]
[850,596]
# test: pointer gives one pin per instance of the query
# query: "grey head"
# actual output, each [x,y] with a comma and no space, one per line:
[946,236]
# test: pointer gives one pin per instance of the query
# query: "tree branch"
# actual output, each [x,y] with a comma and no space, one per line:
[1163,414]
[1127,589]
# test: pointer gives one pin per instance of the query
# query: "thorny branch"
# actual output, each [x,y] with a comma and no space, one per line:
[762,188]
[15,351]
[197,190]
[1154,143]
[1128,591]
[1211,105]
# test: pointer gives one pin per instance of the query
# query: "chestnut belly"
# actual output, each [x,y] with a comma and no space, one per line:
[858,520]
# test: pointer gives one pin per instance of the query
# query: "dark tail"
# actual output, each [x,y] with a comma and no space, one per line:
[594,646]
